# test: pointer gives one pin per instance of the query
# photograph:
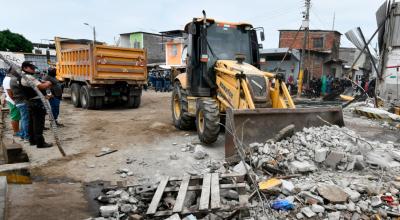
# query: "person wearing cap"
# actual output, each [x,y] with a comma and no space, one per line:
[37,111]
[14,112]
[55,93]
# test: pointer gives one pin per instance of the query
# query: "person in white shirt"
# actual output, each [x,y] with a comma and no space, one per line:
[15,115]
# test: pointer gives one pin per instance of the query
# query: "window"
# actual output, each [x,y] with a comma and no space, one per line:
[318,42]
[174,50]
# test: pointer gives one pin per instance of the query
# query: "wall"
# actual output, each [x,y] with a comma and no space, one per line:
[173,53]
[155,48]
[40,61]
[288,67]
[331,40]
[136,40]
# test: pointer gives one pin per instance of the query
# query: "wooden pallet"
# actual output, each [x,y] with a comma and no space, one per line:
[208,184]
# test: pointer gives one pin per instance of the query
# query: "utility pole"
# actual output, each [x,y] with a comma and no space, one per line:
[333,22]
[305,26]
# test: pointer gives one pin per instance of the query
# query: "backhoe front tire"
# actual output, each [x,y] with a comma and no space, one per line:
[179,108]
[207,120]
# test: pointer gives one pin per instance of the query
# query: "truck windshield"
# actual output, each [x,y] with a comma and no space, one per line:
[227,41]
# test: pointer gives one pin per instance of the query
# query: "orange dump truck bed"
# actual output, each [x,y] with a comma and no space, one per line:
[81,61]
[100,74]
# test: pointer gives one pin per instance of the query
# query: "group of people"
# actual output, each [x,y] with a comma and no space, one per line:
[27,111]
[160,80]
[317,87]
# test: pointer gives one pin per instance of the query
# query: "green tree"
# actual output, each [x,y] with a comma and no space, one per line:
[14,42]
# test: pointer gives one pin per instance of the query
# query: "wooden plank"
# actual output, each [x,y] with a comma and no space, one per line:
[215,195]
[181,194]
[157,196]
[198,188]
[194,177]
[205,192]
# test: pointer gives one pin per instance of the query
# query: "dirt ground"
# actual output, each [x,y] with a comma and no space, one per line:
[145,135]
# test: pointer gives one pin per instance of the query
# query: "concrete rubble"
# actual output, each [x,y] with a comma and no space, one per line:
[337,175]
[317,173]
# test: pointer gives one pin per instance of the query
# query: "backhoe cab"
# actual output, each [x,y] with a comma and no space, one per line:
[222,74]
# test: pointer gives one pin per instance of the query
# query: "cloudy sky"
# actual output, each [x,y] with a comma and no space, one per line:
[44,19]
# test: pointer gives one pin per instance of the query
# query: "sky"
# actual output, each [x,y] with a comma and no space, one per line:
[39,20]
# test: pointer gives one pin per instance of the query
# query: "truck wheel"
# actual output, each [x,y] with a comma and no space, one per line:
[87,101]
[133,101]
[179,107]
[137,99]
[207,121]
[75,95]
[99,102]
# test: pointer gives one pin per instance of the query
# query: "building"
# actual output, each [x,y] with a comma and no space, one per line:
[174,48]
[41,48]
[153,43]
[274,60]
[388,83]
[362,67]
[321,51]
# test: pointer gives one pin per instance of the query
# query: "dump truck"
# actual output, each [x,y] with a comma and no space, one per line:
[97,74]
[223,85]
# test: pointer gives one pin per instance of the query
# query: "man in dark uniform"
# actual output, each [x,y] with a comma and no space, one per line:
[37,111]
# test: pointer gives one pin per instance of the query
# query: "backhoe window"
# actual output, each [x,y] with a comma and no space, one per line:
[226,42]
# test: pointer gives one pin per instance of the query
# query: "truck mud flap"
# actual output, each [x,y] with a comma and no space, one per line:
[244,127]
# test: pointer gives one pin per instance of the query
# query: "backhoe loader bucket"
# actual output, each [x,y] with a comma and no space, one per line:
[259,125]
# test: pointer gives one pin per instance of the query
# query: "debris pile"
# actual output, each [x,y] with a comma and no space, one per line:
[323,147]
[343,176]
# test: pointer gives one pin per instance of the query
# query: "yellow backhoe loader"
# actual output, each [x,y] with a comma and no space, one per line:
[223,81]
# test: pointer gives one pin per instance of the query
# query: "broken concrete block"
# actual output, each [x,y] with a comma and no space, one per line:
[126,208]
[307,212]
[308,195]
[301,166]
[334,158]
[108,210]
[334,215]
[287,186]
[363,205]
[320,155]
[340,207]
[351,206]
[240,168]
[199,152]
[376,201]
[332,193]
[299,215]
[317,208]
[174,217]
[354,195]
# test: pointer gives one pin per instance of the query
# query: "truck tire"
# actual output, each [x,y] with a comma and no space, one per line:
[137,100]
[87,101]
[75,95]
[207,120]
[99,102]
[179,108]
[133,101]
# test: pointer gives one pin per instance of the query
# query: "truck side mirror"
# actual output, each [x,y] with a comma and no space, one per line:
[262,36]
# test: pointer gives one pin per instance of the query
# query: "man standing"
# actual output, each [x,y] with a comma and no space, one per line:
[56,93]
[37,111]
[14,112]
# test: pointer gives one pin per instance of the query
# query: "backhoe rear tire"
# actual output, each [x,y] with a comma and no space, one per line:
[179,108]
[207,120]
